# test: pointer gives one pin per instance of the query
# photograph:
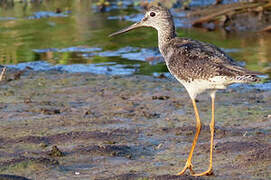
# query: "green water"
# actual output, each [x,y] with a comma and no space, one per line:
[87,28]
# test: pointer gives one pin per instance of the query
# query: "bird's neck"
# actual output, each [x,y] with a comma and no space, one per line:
[165,35]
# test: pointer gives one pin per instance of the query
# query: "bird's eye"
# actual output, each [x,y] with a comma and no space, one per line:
[152,14]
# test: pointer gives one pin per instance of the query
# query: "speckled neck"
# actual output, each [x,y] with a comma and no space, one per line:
[165,34]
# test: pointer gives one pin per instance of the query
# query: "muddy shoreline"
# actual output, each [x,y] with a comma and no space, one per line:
[83,126]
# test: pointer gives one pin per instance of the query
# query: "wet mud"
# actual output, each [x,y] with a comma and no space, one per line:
[83,126]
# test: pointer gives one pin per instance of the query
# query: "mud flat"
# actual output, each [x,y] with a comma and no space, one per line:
[57,125]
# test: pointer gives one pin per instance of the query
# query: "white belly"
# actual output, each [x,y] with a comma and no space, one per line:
[198,86]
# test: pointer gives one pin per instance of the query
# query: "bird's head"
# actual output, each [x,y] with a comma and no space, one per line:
[156,16]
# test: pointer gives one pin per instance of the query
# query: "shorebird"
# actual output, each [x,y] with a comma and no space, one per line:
[197,65]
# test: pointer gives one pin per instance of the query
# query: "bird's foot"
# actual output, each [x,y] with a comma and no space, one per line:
[189,166]
[206,173]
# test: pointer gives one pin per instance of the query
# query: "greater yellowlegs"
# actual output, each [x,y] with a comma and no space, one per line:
[197,65]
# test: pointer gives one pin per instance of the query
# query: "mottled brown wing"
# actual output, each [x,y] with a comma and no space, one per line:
[198,60]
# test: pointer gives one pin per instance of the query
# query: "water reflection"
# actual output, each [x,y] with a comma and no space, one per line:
[63,32]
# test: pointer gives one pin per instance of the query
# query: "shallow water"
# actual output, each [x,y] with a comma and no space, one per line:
[76,39]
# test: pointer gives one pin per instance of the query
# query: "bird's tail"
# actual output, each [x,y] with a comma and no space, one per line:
[244,75]
[247,78]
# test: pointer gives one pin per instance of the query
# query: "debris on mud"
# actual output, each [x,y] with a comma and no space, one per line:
[55,152]
[49,111]
[160,97]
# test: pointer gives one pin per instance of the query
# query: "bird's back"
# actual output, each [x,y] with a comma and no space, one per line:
[190,60]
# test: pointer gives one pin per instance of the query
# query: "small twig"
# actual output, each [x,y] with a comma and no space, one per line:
[3,73]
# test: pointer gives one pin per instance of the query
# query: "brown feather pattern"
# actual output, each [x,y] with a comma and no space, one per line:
[190,59]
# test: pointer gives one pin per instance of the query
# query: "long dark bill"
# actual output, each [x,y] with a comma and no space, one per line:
[129,28]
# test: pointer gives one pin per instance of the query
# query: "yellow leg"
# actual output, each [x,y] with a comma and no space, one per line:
[212,129]
[188,164]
